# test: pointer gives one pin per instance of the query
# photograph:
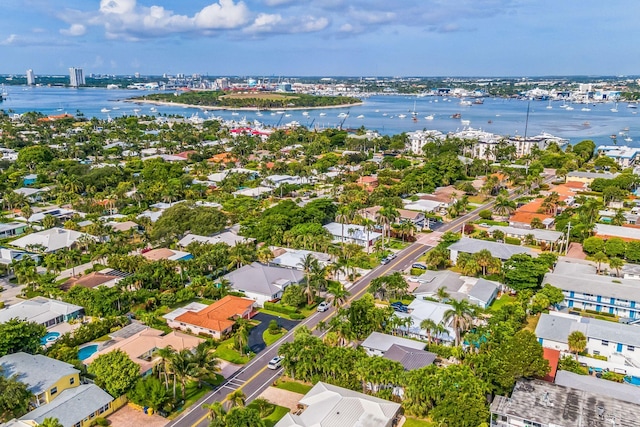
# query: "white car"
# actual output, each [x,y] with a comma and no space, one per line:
[323,306]
[275,363]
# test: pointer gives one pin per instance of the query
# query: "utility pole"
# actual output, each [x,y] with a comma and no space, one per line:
[566,249]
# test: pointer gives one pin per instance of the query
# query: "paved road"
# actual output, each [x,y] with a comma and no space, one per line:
[254,377]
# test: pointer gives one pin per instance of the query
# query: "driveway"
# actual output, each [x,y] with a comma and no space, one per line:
[10,293]
[256,343]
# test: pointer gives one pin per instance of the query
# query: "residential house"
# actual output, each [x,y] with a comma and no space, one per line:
[377,344]
[57,391]
[51,240]
[30,179]
[550,237]
[60,214]
[13,228]
[419,310]
[166,253]
[353,233]
[583,289]
[228,237]
[625,157]
[615,341]
[41,310]
[368,183]
[589,383]
[141,342]
[417,218]
[275,181]
[107,278]
[501,251]
[9,256]
[588,177]
[33,195]
[410,358]
[526,213]
[215,320]
[480,292]
[329,405]
[255,193]
[606,231]
[294,258]
[261,282]
[542,404]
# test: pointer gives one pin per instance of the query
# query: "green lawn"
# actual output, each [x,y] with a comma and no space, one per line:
[225,351]
[270,339]
[192,395]
[275,416]
[294,386]
[415,422]
[503,300]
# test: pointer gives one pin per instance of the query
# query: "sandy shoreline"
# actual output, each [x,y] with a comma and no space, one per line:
[213,108]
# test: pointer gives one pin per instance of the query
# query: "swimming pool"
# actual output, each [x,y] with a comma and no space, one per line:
[632,380]
[49,338]
[87,352]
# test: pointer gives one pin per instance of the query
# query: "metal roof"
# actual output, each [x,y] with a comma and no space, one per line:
[39,372]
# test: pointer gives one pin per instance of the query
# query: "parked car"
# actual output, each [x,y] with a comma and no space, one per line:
[385,261]
[324,306]
[420,266]
[275,363]
[391,256]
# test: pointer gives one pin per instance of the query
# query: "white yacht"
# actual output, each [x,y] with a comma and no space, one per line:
[323,114]
[305,113]
[105,110]
[429,117]
[361,116]
[585,109]
[402,116]
[465,103]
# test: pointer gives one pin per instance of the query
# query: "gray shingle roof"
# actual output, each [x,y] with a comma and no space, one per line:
[39,372]
[498,250]
[547,235]
[573,279]
[432,280]
[72,406]
[410,358]
[382,342]
[483,290]
[262,279]
[625,392]
[558,328]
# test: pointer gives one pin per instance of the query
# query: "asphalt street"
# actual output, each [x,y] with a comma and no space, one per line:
[255,377]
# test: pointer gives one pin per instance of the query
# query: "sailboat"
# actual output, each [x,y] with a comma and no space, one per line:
[549,107]
[414,114]
[614,109]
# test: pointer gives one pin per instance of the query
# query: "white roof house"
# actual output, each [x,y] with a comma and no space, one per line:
[262,282]
[353,233]
[420,310]
[332,406]
[293,258]
[502,251]
[45,311]
[377,344]
[253,192]
[51,240]
[478,291]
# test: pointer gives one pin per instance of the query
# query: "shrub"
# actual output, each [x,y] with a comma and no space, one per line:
[512,241]
[279,308]
[485,214]
[416,271]
[296,316]
[274,328]
[101,421]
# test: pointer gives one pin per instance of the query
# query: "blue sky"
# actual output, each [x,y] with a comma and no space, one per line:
[322,37]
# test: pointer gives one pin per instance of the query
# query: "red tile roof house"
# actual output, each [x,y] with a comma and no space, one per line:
[215,320]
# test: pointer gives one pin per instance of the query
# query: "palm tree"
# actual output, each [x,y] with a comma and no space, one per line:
[387,216]
[182,367]
[484,259]
[460,317]
[577,342]
[599,257]
[50,422]
[344,215]
[369,225]
[616,264]
[165,355]
[236,398]
[308,264]
[442,294]
[429,325]
[265,255]
[503,206]
[263,406]
[215,411]
[204,361]
[241,336]
[340,294]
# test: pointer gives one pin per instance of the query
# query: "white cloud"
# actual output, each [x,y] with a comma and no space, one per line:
[12,39]
[74,30]
[225,14]
[273,3]
[274,23]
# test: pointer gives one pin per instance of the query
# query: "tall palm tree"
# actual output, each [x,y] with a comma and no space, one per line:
[183,368]
[429,325]
[577,342]
[215,410]
[599,258]
[340,294]
[344,215]
[460,316]
[236,398]
[503,206]
[369,226]
[165,355]
[387,216]
[308,264]
[241,336]
[204,361]
[484,259]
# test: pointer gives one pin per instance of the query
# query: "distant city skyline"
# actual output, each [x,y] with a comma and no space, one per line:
[321,37]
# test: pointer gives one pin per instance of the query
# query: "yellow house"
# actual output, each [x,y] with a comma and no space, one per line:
[57,391]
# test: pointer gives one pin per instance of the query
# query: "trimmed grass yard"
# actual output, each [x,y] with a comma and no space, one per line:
[225,351]
[532,323]
[503,300]
[294,386]
[415,422]
[275,416]
[270,338]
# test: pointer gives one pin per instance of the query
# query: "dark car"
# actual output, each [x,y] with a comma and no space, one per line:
[420,266]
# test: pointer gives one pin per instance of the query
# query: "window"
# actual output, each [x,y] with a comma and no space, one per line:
[76,425]
[54,391]
[631,348]
[605,343]
[72,380]
[596,352]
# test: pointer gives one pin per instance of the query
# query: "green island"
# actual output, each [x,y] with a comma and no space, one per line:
[252,100]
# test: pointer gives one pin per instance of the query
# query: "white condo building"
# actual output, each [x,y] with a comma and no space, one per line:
[76,77]
[31,77]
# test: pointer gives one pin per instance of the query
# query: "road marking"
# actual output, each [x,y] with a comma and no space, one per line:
[277,374]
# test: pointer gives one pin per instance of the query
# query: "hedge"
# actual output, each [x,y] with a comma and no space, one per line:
[512,241]
[279,308]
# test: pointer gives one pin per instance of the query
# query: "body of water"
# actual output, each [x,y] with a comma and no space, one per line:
[381,113]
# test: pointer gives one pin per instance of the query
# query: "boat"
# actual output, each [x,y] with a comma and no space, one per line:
[288,115]
[586,124]
[377,111]
[279,112]
[429,117]
[569,108]
[564,105]
[305,113]
[613,136]
[136,110]
[465,103]
[384,114]
[259,114]
[489,121]
[234,113]
[361,116]
[402,116]
[632,105]
[105,110]
[456,115]
[323,114]
[115,108]
[478,101]
[153,109]
[342,115]
[628,139]
[614,109]
[549,107]
[585,109]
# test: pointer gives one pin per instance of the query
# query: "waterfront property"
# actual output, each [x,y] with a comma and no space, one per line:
[215,320]
[624,156]
[166,253]
[583,289]
[41,310]
[617,342]
[329,405]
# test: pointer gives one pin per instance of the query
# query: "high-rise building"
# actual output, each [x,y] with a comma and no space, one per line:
[31,78]
[76,77]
